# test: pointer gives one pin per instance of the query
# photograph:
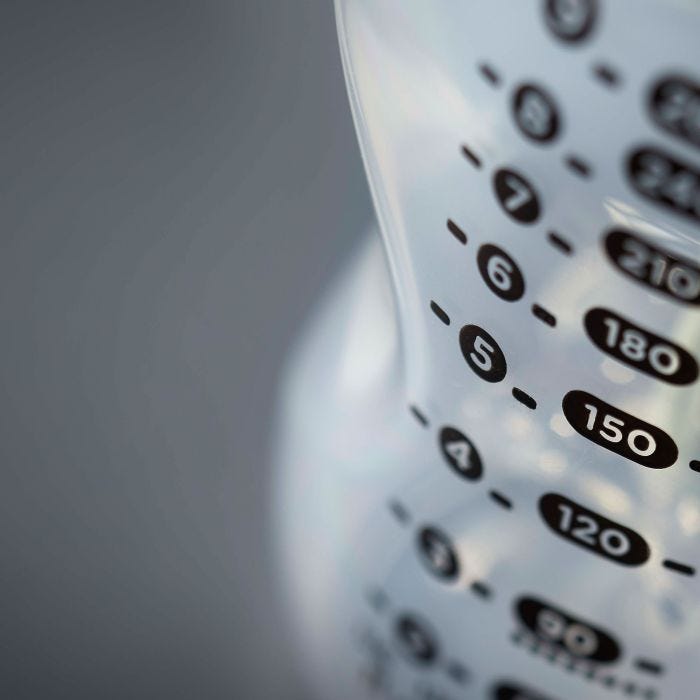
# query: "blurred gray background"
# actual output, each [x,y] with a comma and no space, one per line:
[180,180]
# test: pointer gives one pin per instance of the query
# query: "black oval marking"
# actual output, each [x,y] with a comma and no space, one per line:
[536,113]
[482,353]
[525,399]
[674,105]
[653,267]
[666,181]
[565,631]
[500,272]
[544,315]
[416,640]
[571,20]
[517,196]
[440,313]
[471,156]
[678,567]
[461,454]
[508,690]
[619,432]
[438,553]
[694,464]
[592,531]
[639,348]
[457,232]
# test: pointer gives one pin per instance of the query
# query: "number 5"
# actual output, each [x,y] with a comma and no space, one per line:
[615,434]
[482,354]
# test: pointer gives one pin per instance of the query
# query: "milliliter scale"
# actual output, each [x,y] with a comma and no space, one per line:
[489,441]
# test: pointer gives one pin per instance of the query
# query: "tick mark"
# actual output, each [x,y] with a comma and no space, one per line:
[457,232]
[378,599]
[649,666]
[482,590]
[544,315]
[606,74]
[558,242]
[419,416]
[695,465]
[457,672]
[525,399]
[501,499]
[440,313]
[471,157]
[677,566]
[489,72]
[579,166]
[399,511]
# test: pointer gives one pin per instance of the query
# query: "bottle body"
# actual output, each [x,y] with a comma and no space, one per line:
[488,439]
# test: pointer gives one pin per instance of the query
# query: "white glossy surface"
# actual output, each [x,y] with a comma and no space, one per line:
[348,444]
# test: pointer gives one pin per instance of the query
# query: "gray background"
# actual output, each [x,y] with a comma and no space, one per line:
[179,182]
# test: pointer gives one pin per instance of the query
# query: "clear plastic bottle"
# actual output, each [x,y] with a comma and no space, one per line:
[489,435]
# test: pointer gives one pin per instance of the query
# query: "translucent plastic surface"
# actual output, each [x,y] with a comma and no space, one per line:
[489,444]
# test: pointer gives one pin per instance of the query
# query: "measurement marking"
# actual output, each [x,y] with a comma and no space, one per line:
[399,511]
[440,313]
[649,666]
[552,656]
[606,74]
[419,416]
[378,599]
[457,232]
[525,399]
[558,242]
[489,72]
[695,465]
[482,590]
[501,499]
[580,167]
[471,156]
[569,663]
[590,675]
[677,566]
[544,315]
[457,672]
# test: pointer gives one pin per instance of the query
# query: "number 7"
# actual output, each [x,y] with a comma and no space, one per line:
[520,196]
